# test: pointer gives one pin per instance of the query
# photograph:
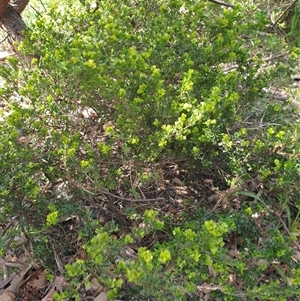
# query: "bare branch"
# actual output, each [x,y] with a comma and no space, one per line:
[19,5]
[266,60]
[12,23]
[222,3]
[283,13]
[129,199]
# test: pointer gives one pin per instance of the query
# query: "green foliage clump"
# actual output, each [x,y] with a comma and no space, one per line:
[174,268]
[155,71]
[171,270]
[164,80]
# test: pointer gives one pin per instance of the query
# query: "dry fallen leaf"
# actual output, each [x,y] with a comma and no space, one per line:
[58,284]
[212,271]
[4,55]
[231,279]
[208,182]
[289,281]
[171,209]
[101,297]
[6,281]
[206,288]
[296,256]
[32,285]
[178,181]
[16,282]
[96,287]
[7,296]
[214,198]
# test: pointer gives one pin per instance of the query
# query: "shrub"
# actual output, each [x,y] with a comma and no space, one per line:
[164,80]
[193,254]
[154,73]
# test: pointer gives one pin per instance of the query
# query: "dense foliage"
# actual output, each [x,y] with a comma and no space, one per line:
[102,91]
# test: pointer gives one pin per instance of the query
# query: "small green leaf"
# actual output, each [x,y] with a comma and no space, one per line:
[164,256]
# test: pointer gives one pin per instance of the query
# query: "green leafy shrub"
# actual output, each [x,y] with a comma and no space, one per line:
[154,71]
[171,270]
[192,254]
[165,80]
[159,86]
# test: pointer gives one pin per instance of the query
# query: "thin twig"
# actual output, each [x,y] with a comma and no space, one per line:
[219,202]
[130,200]
[4,39]
[222,3]
[275,56]
[266,60]
[42,3]
[287,231]
[283,13]
[4,268]
[97,192]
